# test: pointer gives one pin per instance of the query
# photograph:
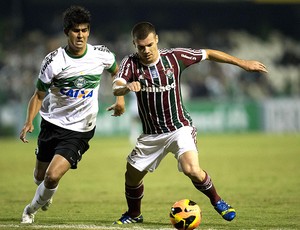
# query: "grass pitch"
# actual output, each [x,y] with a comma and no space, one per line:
[258,174]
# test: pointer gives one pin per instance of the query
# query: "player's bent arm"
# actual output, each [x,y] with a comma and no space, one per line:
[120,87]
[34,105]
[248,65]
[120,101]
[33,108]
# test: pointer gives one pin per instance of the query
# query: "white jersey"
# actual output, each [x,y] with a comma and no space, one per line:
[73,84]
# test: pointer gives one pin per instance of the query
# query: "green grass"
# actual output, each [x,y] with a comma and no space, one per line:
[258,174]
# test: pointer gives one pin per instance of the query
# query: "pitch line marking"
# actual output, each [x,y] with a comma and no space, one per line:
[79,226]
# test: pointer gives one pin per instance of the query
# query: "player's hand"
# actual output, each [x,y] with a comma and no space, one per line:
[134,86]
[28,128]
[117,108]
[254,66]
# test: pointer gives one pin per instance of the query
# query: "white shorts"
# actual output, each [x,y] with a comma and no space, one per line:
[150,149]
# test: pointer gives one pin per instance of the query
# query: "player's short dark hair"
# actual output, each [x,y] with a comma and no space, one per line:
[75,15]
[141,30]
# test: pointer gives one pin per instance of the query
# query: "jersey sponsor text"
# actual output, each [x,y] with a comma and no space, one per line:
[76,93]
[156,89]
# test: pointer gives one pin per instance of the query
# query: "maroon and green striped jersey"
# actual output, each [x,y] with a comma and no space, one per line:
[160,105]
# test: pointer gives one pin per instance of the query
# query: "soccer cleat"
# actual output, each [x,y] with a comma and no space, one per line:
[47,205]
[27,218]
[126,219]
[225,210]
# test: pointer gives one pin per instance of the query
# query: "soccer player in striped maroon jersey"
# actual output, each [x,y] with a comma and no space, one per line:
[153,74]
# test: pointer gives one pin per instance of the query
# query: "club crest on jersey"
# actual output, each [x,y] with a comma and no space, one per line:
[80,82]
[169,72]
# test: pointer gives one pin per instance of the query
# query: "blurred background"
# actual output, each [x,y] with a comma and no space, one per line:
[220,97]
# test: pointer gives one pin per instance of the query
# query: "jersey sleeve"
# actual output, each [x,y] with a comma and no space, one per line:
[41,86]
[113,67]
[46,73]
[188,56]
[106,57]
[126,69]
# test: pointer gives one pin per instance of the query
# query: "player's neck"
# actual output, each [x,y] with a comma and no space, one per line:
[75,52]
[154,62]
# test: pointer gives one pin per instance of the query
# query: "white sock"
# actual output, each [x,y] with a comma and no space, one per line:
[42,195]
[37,182]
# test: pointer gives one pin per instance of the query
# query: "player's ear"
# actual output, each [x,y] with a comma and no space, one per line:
[156,38]
[133,43]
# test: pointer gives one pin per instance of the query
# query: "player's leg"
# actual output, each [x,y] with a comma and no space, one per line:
[134,189]
[185,150]
[47,188]
[134,192]
[202,181]
[57,168]
[40,171]
[63,149]
[145,157]
[39,175]
[43,159]
[45,191]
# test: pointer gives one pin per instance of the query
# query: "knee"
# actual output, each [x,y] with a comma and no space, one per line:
[51,180]
[133,177]
[38,176]
[190,171]
[193,172]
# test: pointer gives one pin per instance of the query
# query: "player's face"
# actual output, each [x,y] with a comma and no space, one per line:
[147,48]
[77,38]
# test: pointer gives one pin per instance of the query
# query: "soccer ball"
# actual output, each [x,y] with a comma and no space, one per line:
[185,215]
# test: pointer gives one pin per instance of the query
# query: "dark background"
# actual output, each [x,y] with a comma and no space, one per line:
[263,30]
[116,16]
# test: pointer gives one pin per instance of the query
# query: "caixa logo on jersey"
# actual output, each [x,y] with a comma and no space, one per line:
[77,93]
[79,83]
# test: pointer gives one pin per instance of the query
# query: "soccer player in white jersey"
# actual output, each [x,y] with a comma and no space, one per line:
[66,96]
[154,75]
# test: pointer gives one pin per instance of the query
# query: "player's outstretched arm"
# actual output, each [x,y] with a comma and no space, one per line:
[248,65]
